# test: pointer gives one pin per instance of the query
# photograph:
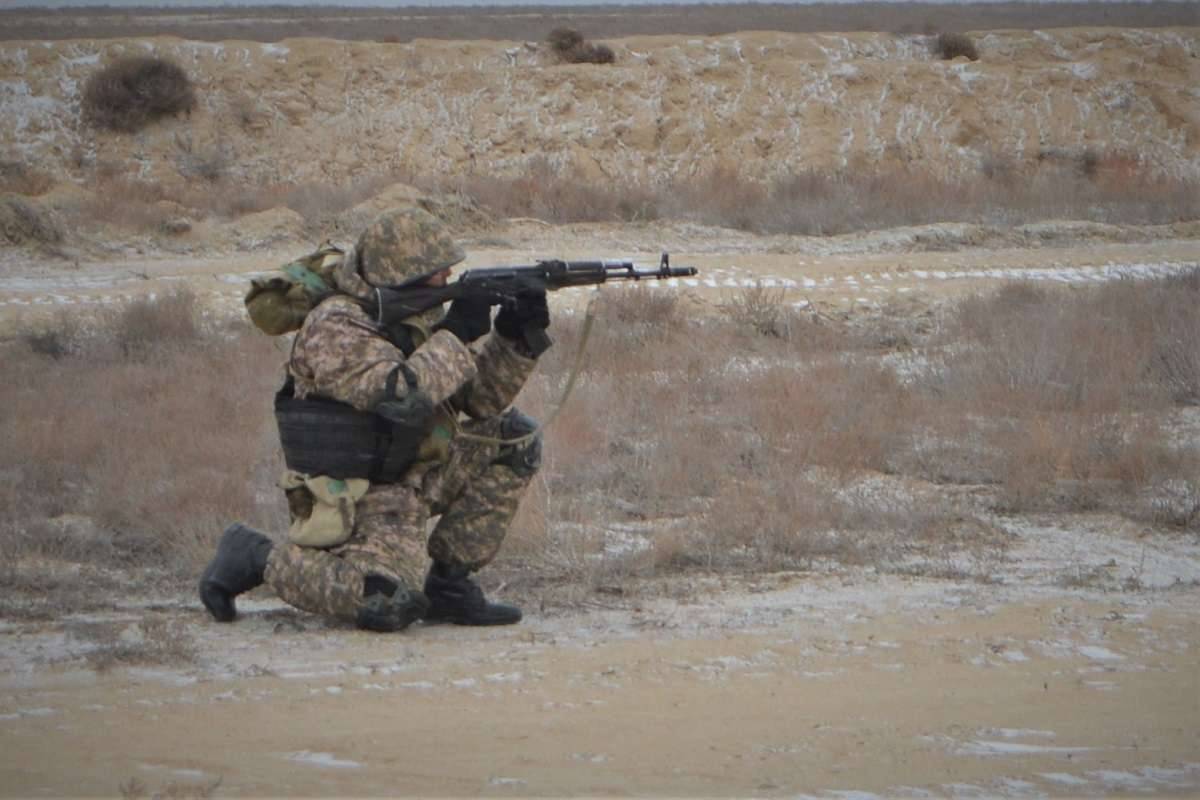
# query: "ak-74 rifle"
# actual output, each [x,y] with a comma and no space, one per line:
[502,285]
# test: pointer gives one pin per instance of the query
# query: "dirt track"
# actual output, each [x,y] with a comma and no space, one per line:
[860,271]
[794,684]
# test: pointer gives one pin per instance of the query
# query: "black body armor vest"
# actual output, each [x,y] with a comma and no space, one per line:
[326,437]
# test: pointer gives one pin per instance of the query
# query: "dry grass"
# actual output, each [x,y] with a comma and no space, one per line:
[17,177]
[716,443]
[1111,188]
[150,642]
[135,789]
[24,222]
[603,22]
[131,439]
[150,207]
[693,440]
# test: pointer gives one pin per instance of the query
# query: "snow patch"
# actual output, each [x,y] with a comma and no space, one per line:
[326,760]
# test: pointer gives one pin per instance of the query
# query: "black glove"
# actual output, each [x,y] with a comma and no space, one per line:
[468,318]
[528,312]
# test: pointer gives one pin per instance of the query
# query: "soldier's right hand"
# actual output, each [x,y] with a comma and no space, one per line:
[468,318]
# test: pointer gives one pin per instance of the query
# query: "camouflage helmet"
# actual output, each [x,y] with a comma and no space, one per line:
[405,246]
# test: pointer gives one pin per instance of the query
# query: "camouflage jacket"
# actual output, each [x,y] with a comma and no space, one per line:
[342,354]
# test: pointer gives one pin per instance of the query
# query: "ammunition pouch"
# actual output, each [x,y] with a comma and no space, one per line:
[326,437]
[525,458]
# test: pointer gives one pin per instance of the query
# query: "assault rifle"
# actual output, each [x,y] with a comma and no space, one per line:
[502,285]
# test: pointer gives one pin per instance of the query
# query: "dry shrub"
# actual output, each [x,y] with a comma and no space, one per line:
[954,45]
[144,206]
[134,91]
[18,178]
[642,304]
[555,194]
[720,196]
[571,47]
[154,325]
[761,309]
[1175,355]
[24,222]
[248,112]
[208,162]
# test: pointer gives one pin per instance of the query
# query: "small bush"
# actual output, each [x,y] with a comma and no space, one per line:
[147,326]
[563,40]
[572,48]
[762,310]
[23,179]
[24,222]
[130,93]
[952,45]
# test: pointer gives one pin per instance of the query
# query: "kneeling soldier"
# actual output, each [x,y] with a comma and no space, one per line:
[383,428]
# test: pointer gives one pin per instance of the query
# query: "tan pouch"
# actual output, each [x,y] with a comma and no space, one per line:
[279,304]
[324,514]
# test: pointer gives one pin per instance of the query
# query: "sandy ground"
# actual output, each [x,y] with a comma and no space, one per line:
[1057,676]
[1066,665]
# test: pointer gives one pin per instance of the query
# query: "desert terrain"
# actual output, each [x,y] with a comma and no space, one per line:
[843,516]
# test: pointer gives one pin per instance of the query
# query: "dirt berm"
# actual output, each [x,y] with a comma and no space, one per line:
[765,103]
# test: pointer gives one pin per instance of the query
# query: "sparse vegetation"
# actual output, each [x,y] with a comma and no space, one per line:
[19,178]
[829,203]
[954,45]
[119,453]
[24,222]
[134,91]
[135,789]
[152,641]
[780,439]
[570,46]
[1113,189]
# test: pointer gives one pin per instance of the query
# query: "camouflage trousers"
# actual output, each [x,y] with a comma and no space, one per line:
[475,494]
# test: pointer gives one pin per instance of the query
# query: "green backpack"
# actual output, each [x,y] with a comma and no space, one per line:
[279,304]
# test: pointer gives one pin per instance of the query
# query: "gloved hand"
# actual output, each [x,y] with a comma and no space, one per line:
[528,311]
[468,318]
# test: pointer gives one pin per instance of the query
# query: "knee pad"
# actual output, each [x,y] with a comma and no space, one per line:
[525,458]
[388,606]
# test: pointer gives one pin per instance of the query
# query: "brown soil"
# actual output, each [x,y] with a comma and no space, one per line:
[792,684]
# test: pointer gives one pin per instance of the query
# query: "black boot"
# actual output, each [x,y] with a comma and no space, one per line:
[456,598]
[237,567]
[389,606]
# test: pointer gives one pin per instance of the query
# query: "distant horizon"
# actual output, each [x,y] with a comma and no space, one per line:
[28,5]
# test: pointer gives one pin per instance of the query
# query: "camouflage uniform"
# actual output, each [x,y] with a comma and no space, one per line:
[341,353]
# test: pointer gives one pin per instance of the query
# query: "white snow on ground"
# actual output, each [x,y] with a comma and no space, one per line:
[983,747]
[321,760]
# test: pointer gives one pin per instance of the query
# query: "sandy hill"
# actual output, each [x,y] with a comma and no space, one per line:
[763,103]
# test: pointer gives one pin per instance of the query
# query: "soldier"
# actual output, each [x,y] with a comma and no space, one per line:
[419,379]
